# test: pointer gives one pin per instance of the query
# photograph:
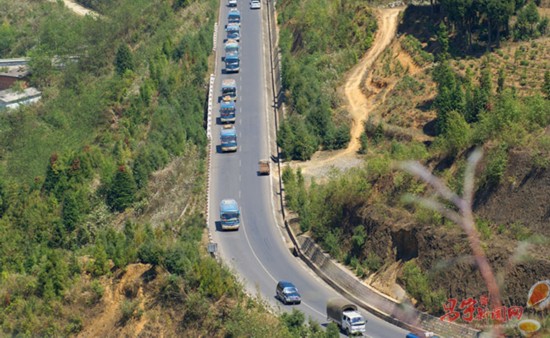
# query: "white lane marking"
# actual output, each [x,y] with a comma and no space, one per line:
[263,266]
[267,113]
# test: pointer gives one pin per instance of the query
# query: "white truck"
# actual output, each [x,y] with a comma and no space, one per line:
[346,316]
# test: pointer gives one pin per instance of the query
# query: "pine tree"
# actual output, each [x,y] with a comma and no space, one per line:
[124,59]
[70,212]
[457,133]
[123,189]
[546,85]
[501,80]
[443,39]
[100,265]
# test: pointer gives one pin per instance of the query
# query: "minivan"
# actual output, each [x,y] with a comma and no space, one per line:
[287,293]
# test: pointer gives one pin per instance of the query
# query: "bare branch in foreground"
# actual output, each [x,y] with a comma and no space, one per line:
[464,217]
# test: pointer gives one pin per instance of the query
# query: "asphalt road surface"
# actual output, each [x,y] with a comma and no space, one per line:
[257,252]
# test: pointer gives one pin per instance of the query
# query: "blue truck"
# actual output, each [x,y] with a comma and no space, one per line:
[228,138]
[231,58]
[231,47]
[234,16]
[229,90]
[229,214]
[232,63]
[227,111]
[233,31]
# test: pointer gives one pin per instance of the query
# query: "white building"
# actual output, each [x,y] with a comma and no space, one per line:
[10,98]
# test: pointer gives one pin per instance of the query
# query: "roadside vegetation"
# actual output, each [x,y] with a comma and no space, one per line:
[319,41]
[437,113]
[93,239]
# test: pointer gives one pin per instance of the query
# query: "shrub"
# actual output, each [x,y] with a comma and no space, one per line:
[484,229]
[497,161]
[332,244]
[97,291]
[418,286]
[130,309]
[373,262]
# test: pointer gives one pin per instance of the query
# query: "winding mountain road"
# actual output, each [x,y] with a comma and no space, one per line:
[258,251]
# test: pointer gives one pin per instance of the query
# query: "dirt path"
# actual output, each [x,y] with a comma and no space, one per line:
[106,323]
[78,9]
[358,106]
[357,102]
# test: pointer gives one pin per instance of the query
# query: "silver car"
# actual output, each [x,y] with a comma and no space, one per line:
[255,4]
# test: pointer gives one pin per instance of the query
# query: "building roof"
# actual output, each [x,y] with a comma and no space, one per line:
[14,62]
[18,72]
[9,95]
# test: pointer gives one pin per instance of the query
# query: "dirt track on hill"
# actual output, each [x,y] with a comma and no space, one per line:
[357,104]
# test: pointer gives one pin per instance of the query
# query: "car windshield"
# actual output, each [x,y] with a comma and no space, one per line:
[229,139]
[357,321]
[290,290]
[230,215]
[231,49]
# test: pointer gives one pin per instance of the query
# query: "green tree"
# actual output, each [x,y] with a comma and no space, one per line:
[100,263]
[332,330]
[8,38]
[526,23]
[443,39]
[122,192]
[70,212]
[294,321]
[285,140]
[358,239]
[55,175]
[542,27]
[53,275]
[501,80]
[497,161]
[457,133]
[497,14]
[546,85]
[124,59]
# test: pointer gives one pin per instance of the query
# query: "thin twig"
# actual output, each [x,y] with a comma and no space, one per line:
[464,217]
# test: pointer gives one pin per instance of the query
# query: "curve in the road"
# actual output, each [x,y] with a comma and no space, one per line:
[257,251]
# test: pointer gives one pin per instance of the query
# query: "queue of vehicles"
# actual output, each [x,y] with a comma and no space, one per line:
[340,311]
